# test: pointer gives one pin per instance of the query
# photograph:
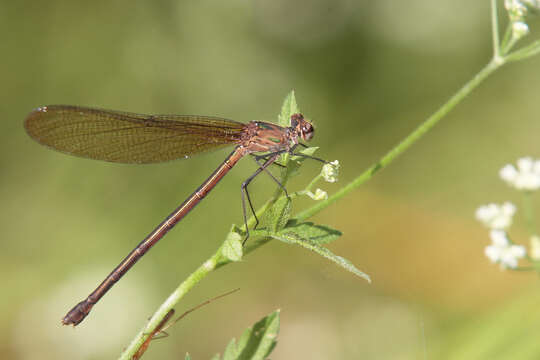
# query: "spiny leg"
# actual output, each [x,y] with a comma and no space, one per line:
[245,193]
[266,157]
[270,174]
[310,157]
[268,160]
[304,155]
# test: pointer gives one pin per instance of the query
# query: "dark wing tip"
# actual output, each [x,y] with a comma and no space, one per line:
[31,121]
[38,110]
[32,117]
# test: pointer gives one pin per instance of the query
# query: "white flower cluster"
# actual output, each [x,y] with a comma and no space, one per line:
[319,194]
[525,177]
[330,171]
[519,29]
[517,11]
[495,216]
[498,218]
[502,251]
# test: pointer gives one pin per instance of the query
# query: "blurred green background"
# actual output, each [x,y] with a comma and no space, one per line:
[366,73]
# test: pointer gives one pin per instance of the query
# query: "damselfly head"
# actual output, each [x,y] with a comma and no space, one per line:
[302,126]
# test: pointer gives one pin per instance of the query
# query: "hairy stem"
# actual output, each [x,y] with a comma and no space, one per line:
[193,279]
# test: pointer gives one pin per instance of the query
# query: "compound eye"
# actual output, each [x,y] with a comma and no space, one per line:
[307,132]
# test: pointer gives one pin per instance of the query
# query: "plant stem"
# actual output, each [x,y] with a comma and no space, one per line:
[407,142]
[171,301]
[506,39]
[495,29]
[525,52]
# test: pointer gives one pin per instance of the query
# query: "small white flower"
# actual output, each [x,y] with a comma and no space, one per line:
[496,216]
[502,252]
[330,171]
[519,29]
[516,9]
[499,238]
[319,195]
[508,173]
[525,177]
[535,247]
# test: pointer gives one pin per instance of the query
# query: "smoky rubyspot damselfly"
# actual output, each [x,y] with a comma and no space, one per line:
[134,138]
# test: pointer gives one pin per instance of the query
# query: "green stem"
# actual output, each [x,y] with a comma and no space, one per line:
[509,45]
[506,39]
[171,301]
[313,182]
[525,52]
[407,142]
[495,29]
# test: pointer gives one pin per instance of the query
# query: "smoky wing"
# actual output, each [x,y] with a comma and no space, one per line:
[126,137]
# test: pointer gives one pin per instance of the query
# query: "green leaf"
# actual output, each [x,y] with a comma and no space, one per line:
[230,351]
[288,108]
[306,151]
[262,338]
[232,247]
[188,357]
[292,238]
[277,215]
[319,234]
[256,342]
